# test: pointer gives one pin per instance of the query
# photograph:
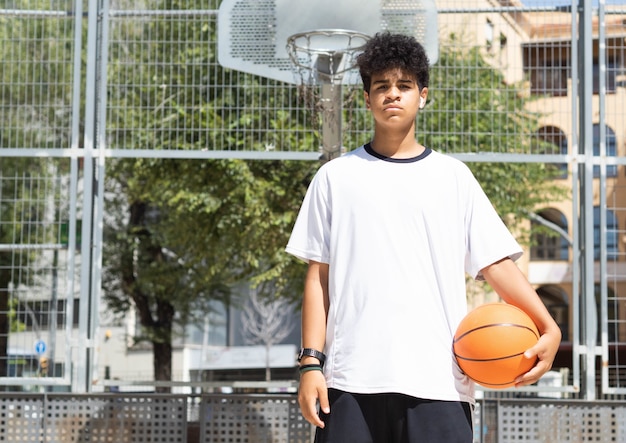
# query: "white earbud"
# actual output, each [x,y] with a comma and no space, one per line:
[422,102]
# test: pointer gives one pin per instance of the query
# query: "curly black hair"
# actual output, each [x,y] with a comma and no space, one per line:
[387,51]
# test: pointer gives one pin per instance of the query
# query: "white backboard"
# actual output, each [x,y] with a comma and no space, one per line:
[252,34]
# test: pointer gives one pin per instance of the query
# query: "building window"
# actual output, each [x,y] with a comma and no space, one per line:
[612,228]
[548,68]
[212,330]
[549,78]
[548,244]
[553,140]
[35,315]
[612,68]
[557,303]
[611,147]
[489,33]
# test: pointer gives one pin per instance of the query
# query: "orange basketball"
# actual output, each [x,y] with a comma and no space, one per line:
[490,341]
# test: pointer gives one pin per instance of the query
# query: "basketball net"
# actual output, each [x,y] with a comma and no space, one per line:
[320,61]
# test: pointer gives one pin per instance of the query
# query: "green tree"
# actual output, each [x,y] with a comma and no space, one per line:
[183,232]
[35,103]
[22,207]
[35,79]
[193,230]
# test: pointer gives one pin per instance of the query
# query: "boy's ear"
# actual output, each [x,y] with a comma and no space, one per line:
[367,99]
[423,95]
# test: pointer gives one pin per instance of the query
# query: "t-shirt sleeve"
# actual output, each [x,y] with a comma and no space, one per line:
[310,238]
[488,238]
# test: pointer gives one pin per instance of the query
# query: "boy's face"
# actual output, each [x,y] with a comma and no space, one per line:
[395,96]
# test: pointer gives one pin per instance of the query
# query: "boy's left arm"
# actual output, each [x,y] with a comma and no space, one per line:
[512,286]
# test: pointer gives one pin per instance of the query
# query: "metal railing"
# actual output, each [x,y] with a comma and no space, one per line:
[271,418]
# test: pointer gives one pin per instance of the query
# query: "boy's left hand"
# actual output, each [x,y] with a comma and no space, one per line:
[545,351]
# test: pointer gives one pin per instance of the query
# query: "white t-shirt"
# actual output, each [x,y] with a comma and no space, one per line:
[399,236]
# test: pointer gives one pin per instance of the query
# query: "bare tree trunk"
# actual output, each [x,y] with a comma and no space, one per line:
[266,321]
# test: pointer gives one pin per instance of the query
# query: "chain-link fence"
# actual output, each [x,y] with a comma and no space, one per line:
[515,90]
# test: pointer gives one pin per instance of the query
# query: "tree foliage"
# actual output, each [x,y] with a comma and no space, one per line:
[182,233]
[34,112]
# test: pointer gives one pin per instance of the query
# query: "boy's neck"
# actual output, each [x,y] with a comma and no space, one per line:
[394,147]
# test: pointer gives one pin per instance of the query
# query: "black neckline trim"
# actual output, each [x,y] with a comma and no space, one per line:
[370,151]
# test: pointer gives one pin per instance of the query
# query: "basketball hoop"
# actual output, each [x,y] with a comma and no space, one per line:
[324,55]
[321,59]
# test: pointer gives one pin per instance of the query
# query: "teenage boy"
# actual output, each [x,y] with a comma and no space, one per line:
[389,231]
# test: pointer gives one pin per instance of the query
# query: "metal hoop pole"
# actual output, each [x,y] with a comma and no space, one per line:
[332,107]
[326,66]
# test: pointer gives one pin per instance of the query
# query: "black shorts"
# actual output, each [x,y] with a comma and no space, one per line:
[393,418]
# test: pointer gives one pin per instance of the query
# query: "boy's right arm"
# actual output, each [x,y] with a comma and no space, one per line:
[314,313]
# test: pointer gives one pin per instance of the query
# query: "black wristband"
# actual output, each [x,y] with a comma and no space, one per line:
[308,352]
[307,368]
[314,365]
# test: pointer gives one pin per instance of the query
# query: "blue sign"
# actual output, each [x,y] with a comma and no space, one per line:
[40,347]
